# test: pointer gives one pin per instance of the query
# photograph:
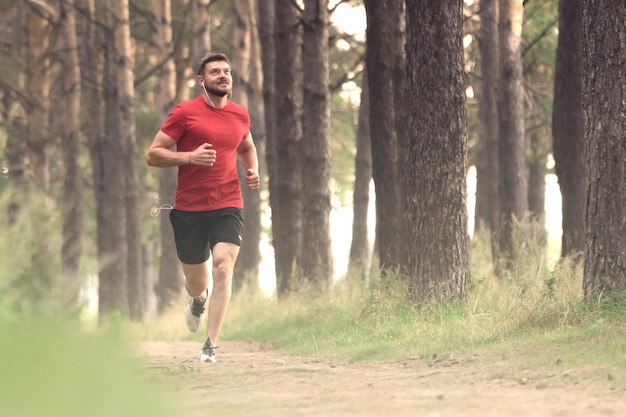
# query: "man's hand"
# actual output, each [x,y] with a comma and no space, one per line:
[203,156]
[252,179]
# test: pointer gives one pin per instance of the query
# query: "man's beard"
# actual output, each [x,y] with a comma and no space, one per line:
[216,92]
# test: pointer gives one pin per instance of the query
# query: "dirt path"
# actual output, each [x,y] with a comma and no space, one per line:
[251,380]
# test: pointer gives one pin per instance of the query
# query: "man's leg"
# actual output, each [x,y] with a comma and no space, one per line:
[196,279]
[224,257]
[196,283]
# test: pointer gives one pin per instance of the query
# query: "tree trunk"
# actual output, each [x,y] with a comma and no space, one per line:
[287,207]
[170,282]
[138,289]
[383,31]
[435,231]
[201,33]
[249,263]
[247,266]
[108,158]
[537,171]
[37,86]
[568,127]
[513,186]
[360,246]
[13,111]
[316,247]
[72,187]
[267,18]
[604,105]
[487,202]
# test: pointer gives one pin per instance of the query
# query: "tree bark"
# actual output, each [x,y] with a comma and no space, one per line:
[487,202]
[513,186]
[13,110]
[568,127]
[360,246]
[537,182]
[604,105]
[267,18]
[316,247]
[37,106]
[201,33]
[435,215]
[108,155]
[170,281]
[139,289]
[287,207]
[253,198]
[383,31]
[73,212]
[247,266]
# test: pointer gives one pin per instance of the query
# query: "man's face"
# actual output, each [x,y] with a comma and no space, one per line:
[217,78]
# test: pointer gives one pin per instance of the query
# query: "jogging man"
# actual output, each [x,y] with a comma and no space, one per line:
[209,132]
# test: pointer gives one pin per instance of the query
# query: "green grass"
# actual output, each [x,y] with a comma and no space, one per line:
[53,369]
[535,314]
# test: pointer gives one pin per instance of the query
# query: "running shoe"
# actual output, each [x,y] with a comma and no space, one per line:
[194,314]
[207,354]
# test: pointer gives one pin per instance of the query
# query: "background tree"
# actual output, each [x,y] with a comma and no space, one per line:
[384,32]
[170,281]
[487,201]
[435,169]
[109,157]
[13,117]
[538,46]
[360,246]
[604,105]
[73,194]
[246,92]
[255,200]
[138,289]
[316,254]
[201,32]
[287,204]
[267,43]
[37,137]
[513,185]
[568,127]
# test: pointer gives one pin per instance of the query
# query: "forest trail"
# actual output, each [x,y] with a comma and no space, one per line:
[250,379]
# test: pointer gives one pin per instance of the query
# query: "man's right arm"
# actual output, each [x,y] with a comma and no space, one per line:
[160,152]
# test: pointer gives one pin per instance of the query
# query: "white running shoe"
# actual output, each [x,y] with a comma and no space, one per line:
[194,314]
[207,354]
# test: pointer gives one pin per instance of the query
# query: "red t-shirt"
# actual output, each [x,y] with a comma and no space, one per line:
[193,123]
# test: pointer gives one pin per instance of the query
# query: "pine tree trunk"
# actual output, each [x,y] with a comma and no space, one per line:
[360,246]
[170,282]
[568,127]
[72,187]
[287,207]
[604,105]
[253,199]
[382,33]
[37,139]
[435,232]
[487,201]
[513,186]
[247,266]
[108,158]
[316,247]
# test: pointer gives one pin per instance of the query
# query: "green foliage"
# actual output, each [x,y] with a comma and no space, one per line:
[51,369]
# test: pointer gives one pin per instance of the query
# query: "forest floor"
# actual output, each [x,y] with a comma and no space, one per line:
[251,379]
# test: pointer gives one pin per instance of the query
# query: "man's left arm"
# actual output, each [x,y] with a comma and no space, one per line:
[250,162]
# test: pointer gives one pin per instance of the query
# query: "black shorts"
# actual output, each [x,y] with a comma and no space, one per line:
[196,232]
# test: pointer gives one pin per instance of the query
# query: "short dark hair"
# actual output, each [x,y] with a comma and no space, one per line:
[211,57]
